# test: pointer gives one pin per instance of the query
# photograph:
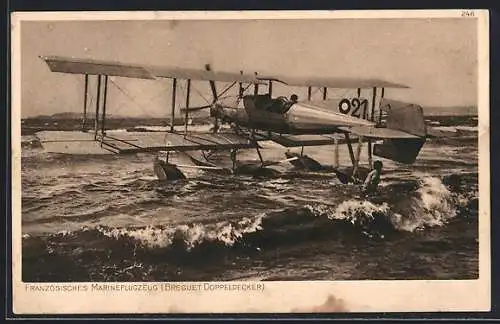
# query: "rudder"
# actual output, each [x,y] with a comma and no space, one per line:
[408,118]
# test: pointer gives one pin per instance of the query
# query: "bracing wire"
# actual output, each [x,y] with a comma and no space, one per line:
[126,93]
[91,101]
[315,91]
[200,94]
[129,96]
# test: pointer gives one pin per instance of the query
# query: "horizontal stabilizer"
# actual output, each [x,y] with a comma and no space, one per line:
[378,133]
[300,140]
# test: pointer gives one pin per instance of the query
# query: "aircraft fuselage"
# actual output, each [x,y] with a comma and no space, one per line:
[264,113]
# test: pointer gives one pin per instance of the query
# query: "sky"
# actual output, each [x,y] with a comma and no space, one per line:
[436,57]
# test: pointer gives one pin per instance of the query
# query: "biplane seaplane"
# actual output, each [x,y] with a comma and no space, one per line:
[399,128]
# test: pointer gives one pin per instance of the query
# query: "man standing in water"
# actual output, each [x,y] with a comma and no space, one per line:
[372,179]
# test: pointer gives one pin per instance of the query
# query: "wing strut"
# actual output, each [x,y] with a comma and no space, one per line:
[98,101]
[372,118]
[187,107]
[256,87]
[172,116]
[212,84]
[85,95]
[374,98]
[325,89]
[240,89]
[104,99]
[309,93]
[380,110]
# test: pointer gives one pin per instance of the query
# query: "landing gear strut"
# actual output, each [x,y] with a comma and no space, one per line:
[257,148]
[233,154]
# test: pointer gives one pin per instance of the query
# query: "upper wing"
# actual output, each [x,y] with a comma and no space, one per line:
[111,68]
[94,67]
[198,74]
[98,67]
[339,83]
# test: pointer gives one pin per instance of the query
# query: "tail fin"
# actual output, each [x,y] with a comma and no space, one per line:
[405,117]
[408,118]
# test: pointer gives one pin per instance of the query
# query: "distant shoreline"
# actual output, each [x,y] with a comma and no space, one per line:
[30,126]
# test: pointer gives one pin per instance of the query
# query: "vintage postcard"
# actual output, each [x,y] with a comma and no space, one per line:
[250,162]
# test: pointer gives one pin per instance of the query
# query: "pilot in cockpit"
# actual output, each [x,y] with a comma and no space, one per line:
[287,104]
[283,104]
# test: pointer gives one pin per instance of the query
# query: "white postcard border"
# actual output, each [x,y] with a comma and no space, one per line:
[358,296]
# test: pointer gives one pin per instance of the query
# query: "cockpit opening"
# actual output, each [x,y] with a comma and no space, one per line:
[279,105]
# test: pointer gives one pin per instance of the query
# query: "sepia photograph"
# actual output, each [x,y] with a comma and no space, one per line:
[198,153]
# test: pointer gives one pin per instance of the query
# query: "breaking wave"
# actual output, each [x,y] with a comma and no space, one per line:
[431,204]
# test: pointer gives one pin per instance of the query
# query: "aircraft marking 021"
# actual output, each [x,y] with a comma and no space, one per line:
[345,106]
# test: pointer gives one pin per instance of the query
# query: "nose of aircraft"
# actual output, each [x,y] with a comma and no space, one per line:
[215,110]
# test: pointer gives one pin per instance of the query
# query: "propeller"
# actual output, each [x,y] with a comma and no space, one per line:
[211,106]
[184,109]
[198,108]
[214,107]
